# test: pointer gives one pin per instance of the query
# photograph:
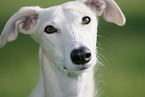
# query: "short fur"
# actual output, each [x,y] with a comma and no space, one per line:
[59,76]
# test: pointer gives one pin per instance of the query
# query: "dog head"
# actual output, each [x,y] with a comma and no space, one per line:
[67,33]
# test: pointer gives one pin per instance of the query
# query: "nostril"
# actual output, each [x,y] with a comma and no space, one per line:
[88,55]
[81,55]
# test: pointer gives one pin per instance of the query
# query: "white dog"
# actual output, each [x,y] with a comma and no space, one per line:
[67,35]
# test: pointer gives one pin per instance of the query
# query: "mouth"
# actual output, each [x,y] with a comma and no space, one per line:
[80,68]
[83,68]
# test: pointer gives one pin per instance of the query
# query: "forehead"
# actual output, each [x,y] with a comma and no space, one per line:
[73,10]
[77,7]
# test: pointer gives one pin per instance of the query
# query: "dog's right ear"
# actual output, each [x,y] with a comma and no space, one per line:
[24,21]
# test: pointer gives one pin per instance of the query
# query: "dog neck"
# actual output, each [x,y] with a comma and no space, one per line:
[54,83]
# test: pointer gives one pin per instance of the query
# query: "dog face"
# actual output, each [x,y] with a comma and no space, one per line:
[73,30]
[66,33]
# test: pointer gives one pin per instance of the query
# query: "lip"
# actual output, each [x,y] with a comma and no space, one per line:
[84,68]
[64,68]
[78,68]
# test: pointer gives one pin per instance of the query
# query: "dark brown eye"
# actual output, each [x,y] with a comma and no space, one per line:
[50,29]
[86,20]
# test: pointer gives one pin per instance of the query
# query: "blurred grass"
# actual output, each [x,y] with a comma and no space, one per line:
[122,48]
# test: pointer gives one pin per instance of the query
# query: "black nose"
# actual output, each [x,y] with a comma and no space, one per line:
[81,55]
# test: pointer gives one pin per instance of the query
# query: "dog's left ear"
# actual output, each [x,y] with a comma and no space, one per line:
[109,9]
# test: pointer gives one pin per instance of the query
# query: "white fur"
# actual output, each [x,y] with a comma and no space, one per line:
[59,77]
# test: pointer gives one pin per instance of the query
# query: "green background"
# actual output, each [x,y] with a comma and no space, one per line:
[121,53]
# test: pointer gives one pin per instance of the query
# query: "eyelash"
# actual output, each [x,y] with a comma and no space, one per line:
[86,20]
[50,29]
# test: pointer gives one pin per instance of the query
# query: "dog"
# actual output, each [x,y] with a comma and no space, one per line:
[67,35]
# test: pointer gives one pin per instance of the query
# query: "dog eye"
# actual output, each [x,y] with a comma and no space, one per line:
[50,29]
[86,20]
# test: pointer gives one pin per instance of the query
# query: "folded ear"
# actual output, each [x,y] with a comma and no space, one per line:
[109,9]
[24,21]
